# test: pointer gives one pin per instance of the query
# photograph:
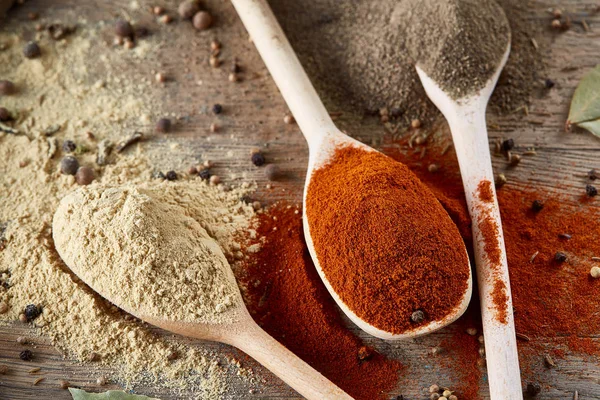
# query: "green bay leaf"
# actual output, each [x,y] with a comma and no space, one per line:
[592,126]
[79,394]
[585,105]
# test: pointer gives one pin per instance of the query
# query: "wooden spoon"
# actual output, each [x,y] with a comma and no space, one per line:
[242,333]
[320,133]
[466,117]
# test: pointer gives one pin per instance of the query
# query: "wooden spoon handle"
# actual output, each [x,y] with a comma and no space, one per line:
[285,68]
[286,365]
[470,138]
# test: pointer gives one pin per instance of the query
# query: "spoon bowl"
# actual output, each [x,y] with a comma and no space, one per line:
[466,118]
[322,136]
[236,328]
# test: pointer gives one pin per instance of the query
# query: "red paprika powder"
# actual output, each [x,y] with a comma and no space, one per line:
[385,244]
[286,296]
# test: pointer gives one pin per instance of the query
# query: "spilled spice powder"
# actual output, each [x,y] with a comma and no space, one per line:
[484,189]
[370,221]
[499,298]
[286,296]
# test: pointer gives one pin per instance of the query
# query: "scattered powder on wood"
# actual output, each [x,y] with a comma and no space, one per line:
[136,246]
[57,90]
[485,192]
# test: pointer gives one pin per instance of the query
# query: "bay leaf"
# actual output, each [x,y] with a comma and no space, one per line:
[585,105]
[79,394]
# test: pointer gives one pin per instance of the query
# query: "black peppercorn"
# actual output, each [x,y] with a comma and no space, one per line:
[537,206]
[171,176]
[69,146]
[592,175]
[258,159]
[508,145]
[32,312]
[69,165]
[549,83]
[217,109]
[32,50]
[26,355]
[533,389]
[560,257]
[417,316]
[591,190]
[204,174]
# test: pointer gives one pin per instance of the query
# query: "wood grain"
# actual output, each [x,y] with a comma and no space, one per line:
[253,117]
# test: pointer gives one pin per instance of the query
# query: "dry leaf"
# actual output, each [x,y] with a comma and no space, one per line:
[585,105]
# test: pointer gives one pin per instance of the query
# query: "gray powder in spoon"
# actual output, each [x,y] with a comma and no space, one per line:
[458,43]
[139,249]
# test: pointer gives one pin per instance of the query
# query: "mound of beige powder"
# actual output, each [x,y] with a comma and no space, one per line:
[138,248]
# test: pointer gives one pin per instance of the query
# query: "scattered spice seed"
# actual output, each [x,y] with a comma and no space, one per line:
[560,257]
[514,160]
[233,77]
[187,9]
[171,176]
[22,318]
[591,190]
[534,256]
[549,361]
[289,119]
[471,331]
[213,127]
[69,165]
[128,44]
[556,24]
[34,370]
[192,170]
[595,272]
[415,123]
[7,88]
[272,172]
[215,180]
[92,357]
[4,114]
[549,83]
[217,108]
[104,148]
[101,380]
[592,175]
[69,146]
[123,29]
[3,307]
[174,355]
[434,389]
[434,396]
[26,355]
[508,145]
[500,180]
[38,380]
[258,159]
[22,340]
[364,353]
[202,20]
[32,50]
[165,19]
[84,176]
[533,389]
[417,316]
[433,168]
[565,236]
[32,312]
[157,10]
[522,337]
[64,384]
[216,45]
[204,174]
[163,125]
[446,393]
[134,138]
[3,369]
[452,397]
[160,77]
[537,206]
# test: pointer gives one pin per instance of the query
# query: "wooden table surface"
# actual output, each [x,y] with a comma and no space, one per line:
[253,118]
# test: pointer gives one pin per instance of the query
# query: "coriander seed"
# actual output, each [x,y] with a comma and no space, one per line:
[447,393]
[233,77]
[272,172]
[595,272]
[556,24]
[514,160]
[3,369]
[434,396]
[192,170]
[216,45]
[434,389]
[289,119]
[452,397]
[215,180]
[415,123]
[433,168]
[157,10]
[160,77]
[213,127]
[22,318]
[3,307]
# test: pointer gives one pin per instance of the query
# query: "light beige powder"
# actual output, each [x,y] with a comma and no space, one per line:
[142,252]
[57,90]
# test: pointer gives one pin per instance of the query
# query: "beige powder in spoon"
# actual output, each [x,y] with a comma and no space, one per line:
[141,251]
